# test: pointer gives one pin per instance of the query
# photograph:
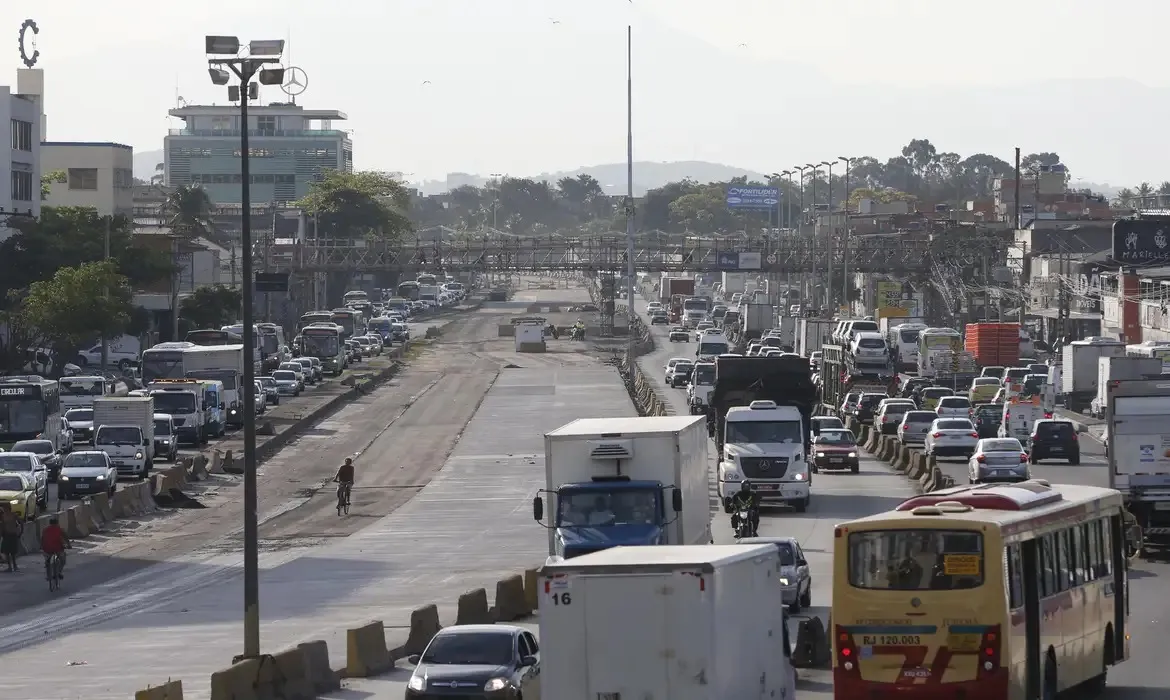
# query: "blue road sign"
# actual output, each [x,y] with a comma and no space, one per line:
[728,261]
[753,197]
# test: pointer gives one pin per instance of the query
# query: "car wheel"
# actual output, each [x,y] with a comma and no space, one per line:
[1075,460]
[802,506]
[806,599]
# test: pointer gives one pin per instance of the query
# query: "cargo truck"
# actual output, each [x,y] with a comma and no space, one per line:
[759,413]
[734,282]
[671,286]
[754,320]
[183,400]
[841,376]
[1080,367]
[675,623]
[224,363]
[812,333]
[624,481]
[1121,368]
[1138,451]
[123,428]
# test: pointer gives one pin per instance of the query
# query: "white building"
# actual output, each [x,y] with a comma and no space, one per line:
[20,183]
[97,175]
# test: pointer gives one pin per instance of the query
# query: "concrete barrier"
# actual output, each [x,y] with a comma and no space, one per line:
[871,443]
[77,522]
[122,504]
[424,625]
[216,465]
[887,453]
[863,438]
[511,602]
[171,690]
[96,522]
[531,592]
[902,458]
[198,470]
[852,424]
[472,608]
[927,479]
[252,679]
[811,648]
[292,679]
[30,538]
[943,481]
[318,670]
[101,507]
[365,650]
[917,464]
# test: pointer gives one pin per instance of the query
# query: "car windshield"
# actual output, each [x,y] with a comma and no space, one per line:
[989,411]
[787,556]
[985,381]
[173,402]
[897,409]
[683,368]
[836,437]
[292,367]
[476,649]
[956,424]
[826,423]
[871,400]
[936,392]
[39,447]
[15,463]
[162,427]
[871,343]
[909,336]
[743,432]
[705,374]
[916,560]
[85,459]
[11,483]
[79,414]
[920,416]
[117,435]
[954,402]
[284,375]
[1006,445]
[1055,429]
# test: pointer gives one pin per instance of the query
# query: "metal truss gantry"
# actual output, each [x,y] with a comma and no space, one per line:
[910,253]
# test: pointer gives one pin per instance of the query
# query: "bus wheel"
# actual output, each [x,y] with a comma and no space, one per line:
[1096,685]
[1048,691]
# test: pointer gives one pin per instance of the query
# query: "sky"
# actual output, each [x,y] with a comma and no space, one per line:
[522,87]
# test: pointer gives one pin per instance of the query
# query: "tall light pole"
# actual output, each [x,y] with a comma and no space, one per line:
[812,181]
[845,234]
[787,206]
[832,242]
[629,206]
[224,51]
[800,169]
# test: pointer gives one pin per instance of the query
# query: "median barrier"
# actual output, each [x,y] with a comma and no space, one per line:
[122,505]
[871,444]
[853,425]
[531,595]
[318,671]
[902,458]
[424,625]
[863,437]
[511,602]
[365,651]
[30,538]
[198,467]
[171,690]
[96,522]
[101,504]
[472,608]
[943,481]
[917,464]
[247,679]
[76,522]
[810,650]
[291,681]
[927,480]
[887,452]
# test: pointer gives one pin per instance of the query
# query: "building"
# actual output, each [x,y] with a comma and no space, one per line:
[96,175]
[290,147]
[20,183]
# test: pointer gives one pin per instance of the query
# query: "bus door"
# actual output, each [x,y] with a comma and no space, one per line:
[1116,531]
[1029,551]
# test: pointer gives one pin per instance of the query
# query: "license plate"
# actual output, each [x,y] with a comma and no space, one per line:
[1162,505]
[768,487]
[836,460]
[963,642]
[119,464]
[1058,449]
[81,487]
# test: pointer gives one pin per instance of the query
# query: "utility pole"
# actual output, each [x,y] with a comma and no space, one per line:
[845,234]
[630,211]
[105,340]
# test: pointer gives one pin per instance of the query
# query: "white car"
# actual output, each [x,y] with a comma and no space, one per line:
[955,437]
[998,459]
[669,369]
[953,407]
[703,329]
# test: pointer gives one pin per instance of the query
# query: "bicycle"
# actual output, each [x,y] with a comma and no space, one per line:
[53,572]
[343,493]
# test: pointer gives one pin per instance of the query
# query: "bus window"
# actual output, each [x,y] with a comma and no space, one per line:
[1015,577]
[917,560]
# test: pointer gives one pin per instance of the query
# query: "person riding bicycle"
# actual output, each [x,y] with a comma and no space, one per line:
[579,329]
[746,500]
[345,476]
[55,541]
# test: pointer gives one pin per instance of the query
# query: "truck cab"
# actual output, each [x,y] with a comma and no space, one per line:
[610,511]
[765,444]
[182,399]
[699,390]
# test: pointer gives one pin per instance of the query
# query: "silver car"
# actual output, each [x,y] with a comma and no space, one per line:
[914,427]
[86,473]
[951,437]
[287,383]
[998,459]
[953,407]
[795,576]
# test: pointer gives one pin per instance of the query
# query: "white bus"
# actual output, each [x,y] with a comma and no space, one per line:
[79,391]
[354,297]
[1159,349]
[165,361]
[323,341]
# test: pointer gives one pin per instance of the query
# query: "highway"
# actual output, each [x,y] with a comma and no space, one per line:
[449,454]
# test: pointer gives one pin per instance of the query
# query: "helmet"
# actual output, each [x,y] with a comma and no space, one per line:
[745,486]
[53,521]
[349,460]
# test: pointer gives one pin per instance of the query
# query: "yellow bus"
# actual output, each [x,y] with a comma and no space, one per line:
[987,592]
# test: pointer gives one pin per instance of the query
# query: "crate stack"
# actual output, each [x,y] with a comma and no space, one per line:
[993,344]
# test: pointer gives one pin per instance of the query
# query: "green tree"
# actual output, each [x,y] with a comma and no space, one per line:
[358,204]
[76,304]
[211,307]
[1033,161]
[53,177]
[188,210]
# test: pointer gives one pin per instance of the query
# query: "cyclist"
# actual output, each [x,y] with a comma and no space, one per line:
[55,541]
[746,500]
[345,477]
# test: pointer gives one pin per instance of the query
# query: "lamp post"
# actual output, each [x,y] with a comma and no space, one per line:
[787,207]
[224,52]
[800,169]
[832,247]
[812,181]
[845,235]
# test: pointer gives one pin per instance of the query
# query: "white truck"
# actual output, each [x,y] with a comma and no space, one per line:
[183,400]
[624,481]
[675,623]
[734,282]
[755,319]
[1080,368]
[1121,368]
[812,333]
[1138,450]
[79,391]
[223,363]
[123,428]
[699,389]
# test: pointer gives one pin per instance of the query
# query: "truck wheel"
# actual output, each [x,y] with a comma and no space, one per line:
[802,506]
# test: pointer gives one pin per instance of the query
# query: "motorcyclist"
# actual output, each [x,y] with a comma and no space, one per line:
[345,476]
[579,329]
[748,501]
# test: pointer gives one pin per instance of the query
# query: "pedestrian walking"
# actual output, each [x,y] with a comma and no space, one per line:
[10,531]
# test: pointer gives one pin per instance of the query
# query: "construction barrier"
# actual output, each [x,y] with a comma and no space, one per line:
[926,483]
[472,608]
[853,425]
[424,625]
[77,522]
[872,443]
[365,650]
[263,678]
[902,458]
[917,464]
[318,670]
[811,648]
[291,681]
[531,593]
[171,690]
[511,602]
[863,437]
[30,538]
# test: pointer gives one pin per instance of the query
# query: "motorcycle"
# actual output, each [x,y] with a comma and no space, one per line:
[577,334]
[741,524]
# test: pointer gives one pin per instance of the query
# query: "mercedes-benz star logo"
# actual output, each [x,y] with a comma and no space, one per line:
[295,81]
[28,45]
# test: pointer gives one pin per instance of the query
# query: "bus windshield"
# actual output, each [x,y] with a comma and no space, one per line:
[320,345]
[916,560]
[82,387]
[173,402]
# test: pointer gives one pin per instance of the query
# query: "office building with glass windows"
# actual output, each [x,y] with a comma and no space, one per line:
[290,147]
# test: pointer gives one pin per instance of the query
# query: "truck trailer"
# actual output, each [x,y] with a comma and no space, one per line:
[1137,436]
[624,481]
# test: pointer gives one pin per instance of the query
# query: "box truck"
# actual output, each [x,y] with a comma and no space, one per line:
[1121,368]
[123,428]
[1080,368]
[624,481]
[675,623]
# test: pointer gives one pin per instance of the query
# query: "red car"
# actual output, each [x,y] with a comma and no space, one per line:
[836,448]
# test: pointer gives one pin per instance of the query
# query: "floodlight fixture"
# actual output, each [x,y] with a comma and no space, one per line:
[266,47]
[222,45]
[272,76]
[219,76]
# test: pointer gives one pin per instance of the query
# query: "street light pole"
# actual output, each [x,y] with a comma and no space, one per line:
[787,207]
[260,53]
[630,212]
[832,240]
[800,169]
[845,235]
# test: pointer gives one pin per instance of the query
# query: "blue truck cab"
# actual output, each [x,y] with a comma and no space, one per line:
[609,512]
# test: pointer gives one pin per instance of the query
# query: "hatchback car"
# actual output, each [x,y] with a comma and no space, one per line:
[951,437]
[287,382]
[166,440]
[307,374]
[867,406]
[80,424]
[914,426]
[849,405]
[931,396]
[1055,439]
[983,389]
[20,493]
[669,367]
[49,455]
[835,449]
[318,367]
[477,661]
[702,328]
[819,423]
[987,418]
[889,415]
[998,460]
[30,465]
[680,374]
[271,394]
[659,318]
[678,334]
[296,368]
[795,574]
[86,473]
[953,407]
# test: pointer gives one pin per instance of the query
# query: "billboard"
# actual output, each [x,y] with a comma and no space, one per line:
[1141,241]
[752,197]
[889,295]
[739,261]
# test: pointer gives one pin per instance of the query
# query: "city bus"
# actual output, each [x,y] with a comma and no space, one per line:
[275,349]
[425,280]
[350,322]
[210,336]
[355,296]
[259,354]
[408,290]
[164,361]
[986,592]
[323,341]
[79,391]
[314,317]
[30,408]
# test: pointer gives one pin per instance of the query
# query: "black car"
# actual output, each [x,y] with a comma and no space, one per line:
[912,385]
[1054,439]
[45,450]
[867,406]
[987,418]
[477,661]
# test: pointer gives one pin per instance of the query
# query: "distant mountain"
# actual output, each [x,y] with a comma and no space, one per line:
[144,162]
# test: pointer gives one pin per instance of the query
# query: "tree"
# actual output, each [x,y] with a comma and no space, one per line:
[188,210]
[53,177]
[76,304]
[1034,161]
[211,307]
[360,204]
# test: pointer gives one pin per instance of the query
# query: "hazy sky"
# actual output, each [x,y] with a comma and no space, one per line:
[528,86]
